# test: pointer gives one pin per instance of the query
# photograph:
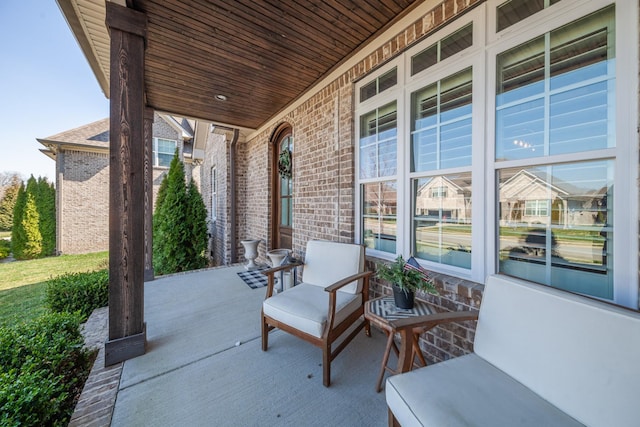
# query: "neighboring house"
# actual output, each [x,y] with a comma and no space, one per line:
[82,177]
[467,94]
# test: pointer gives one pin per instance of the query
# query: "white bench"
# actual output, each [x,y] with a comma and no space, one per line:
[542,357]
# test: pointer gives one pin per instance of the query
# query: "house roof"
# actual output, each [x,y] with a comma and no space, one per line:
[261,55]
[93,135]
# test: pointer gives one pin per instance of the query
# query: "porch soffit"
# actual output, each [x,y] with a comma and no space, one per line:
[261,54]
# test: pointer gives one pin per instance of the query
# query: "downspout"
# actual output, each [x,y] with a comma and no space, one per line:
[232,185]
[336,127]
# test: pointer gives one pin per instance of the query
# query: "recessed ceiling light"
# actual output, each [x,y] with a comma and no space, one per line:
[220,97]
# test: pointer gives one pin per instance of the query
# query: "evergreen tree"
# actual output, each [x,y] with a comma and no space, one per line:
[8,202]
[197,222]
[18,236]
[179,224]
[162,191]
[30,224]
[34,220]
[45,198]
[169,222]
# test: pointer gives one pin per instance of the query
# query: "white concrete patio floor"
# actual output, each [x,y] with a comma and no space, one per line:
[204,365]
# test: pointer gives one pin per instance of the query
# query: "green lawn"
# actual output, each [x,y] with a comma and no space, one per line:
[23,283]
[20,273]
[22,304]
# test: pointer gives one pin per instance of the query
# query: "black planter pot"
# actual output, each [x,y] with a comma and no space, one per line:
[403,299]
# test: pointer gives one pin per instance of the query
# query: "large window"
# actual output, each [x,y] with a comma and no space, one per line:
[163,151]
[554,97]
[507,144]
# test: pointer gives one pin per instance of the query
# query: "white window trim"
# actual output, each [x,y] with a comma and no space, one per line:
[154,151]
[627,211]
[482,57]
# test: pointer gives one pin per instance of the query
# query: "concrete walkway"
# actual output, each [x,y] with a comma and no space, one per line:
[204,365]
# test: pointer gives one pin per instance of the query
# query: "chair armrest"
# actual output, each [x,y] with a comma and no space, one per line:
[270,273]
[406,328]
[332,289]
[284,267]
[431,320]
[344,282]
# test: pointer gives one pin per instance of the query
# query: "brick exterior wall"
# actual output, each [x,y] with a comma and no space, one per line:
[217,155]
[82,194]
[83,202]
[254,196]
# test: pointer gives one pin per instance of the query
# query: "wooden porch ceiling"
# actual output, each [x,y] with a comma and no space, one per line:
[260,54]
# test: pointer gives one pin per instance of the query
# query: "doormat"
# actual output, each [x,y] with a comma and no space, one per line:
[254,278]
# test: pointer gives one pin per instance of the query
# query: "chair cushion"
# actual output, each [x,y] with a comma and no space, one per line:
[328,262]
[468,391]
[305,307]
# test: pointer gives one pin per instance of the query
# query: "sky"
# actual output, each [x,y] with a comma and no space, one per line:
[46,85]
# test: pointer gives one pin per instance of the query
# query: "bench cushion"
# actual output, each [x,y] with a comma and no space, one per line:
[580,354]
[467,391]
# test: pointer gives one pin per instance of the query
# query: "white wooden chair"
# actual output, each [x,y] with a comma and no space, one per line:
[327,302]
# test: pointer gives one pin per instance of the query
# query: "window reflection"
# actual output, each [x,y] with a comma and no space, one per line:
[380,216]
[442,219]
[554,225]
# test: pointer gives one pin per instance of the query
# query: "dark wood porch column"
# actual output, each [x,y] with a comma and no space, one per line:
[127,331]
[149,273]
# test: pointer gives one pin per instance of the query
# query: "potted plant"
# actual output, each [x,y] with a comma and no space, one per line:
[405,281]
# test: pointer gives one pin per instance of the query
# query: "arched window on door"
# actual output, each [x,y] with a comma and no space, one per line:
[282,221]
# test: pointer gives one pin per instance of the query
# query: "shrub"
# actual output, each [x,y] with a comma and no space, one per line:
[179,224]
[78,292]
[33,233]
[42,369]
[5,248]
[18,236]
[197,228]
[8,201]
[170,221]
[30,223]
[46,206]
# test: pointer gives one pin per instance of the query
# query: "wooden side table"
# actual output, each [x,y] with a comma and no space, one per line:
[383,313]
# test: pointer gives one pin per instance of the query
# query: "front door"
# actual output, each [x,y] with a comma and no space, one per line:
[283,189]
